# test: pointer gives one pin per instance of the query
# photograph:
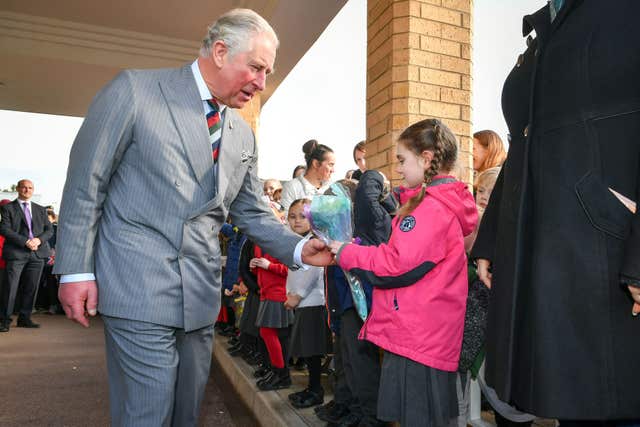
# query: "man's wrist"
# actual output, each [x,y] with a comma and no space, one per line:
[297,255]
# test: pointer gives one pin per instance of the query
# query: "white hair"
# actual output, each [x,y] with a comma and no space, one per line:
[236,29]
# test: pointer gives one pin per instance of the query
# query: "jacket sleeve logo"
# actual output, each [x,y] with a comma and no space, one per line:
[407,223]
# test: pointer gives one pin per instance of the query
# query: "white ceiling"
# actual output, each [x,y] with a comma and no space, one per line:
[55,55]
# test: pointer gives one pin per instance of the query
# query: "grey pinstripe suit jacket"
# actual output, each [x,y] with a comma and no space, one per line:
[141,208]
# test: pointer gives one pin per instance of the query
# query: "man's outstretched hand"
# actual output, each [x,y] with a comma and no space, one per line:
[315,252]
[79,300]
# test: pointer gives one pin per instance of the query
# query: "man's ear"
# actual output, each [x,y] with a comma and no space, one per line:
[219,52]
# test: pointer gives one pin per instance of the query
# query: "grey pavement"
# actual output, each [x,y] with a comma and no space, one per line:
[56,376]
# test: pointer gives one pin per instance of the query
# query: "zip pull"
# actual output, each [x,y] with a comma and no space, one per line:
[395,302]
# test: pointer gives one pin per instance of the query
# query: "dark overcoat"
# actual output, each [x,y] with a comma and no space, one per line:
[561,339]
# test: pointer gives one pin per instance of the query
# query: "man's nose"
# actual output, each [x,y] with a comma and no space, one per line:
[261,80]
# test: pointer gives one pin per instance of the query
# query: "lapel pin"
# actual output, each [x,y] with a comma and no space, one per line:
[245,156]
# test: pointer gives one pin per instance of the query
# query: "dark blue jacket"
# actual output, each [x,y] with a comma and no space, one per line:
[372,210]
[236,240]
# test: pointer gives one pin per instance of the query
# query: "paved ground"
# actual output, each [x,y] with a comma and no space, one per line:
[56,376]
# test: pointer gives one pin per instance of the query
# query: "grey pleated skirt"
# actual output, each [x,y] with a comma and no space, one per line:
[416,395]
[310,334]
[272,314]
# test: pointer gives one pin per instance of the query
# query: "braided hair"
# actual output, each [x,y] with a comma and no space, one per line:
[429,135]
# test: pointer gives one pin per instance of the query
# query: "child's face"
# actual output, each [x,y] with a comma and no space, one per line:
[297,221]
[269,187]
[483,192]
[412,166]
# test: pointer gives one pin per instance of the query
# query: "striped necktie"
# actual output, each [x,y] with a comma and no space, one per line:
[215,128]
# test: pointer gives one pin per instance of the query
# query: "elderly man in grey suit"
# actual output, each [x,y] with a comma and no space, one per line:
[159,163]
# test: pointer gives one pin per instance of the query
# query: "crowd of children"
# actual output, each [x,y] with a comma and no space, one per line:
[410,254]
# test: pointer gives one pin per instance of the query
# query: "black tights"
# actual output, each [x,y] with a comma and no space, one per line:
[314,365]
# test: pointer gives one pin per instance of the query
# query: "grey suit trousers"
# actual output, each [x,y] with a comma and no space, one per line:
[157,374]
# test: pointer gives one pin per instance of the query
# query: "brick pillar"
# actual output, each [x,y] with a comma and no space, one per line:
[251,112]
[418,66]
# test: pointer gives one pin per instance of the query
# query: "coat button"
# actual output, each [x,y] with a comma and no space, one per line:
[177,183]
[526,131]
[529,41]
[520,60]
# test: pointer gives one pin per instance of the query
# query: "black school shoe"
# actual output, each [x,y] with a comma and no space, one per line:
[349,420]
[277,380]
[335,414]
[236,350]
[326,407]
[261,371]
[307,399]
[253,358]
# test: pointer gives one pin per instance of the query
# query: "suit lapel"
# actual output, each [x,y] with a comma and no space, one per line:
[185,106]
[230,151]
[18,208]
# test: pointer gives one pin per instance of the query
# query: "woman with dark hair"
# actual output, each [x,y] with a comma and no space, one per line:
[298,170]
[316,179]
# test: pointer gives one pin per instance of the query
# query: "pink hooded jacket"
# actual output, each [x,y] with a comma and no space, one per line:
[420,277]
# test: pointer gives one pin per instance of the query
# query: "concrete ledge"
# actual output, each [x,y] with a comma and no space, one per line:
[270,408]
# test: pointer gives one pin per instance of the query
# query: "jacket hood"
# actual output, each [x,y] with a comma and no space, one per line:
[455,195]
[403,194]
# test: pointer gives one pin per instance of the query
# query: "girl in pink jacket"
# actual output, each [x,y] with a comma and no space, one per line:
[420,280]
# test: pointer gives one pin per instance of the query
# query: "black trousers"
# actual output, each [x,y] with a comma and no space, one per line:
[341,392]
[23,273]
[361,362]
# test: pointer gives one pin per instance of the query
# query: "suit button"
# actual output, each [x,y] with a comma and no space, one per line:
[529,41]
[526,131]
[520,60]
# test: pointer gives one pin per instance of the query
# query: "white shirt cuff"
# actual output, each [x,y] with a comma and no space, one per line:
[297,254]
[80,277]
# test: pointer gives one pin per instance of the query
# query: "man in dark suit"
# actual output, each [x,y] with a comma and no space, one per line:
[26,230]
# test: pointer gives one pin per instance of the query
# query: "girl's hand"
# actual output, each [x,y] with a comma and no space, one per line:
[292,301]
[262,263]
[635,294]
[335,246]
[259,262]
[242,288]
[483,271]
